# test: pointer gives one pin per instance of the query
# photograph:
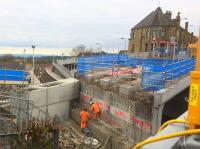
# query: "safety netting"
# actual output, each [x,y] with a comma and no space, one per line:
[13,75]
[90,63]
[156,75]
[155,71]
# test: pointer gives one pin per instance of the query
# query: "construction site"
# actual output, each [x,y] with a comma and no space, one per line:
[130,91]
[139,95]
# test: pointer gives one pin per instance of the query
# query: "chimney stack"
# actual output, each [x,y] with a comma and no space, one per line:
[178,19]
[186,26]
[168,14]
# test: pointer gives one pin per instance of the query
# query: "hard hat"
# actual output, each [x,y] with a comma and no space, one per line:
[91,102]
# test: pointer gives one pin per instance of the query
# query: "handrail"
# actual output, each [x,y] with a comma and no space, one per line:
[62,70]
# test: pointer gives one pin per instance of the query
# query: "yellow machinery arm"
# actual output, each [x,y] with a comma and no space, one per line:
[194,97]
[198,54]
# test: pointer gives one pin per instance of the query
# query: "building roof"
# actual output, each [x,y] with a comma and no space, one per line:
[155,18]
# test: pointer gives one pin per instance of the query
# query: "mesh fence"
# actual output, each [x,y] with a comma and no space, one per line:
[156,75]
[159,55]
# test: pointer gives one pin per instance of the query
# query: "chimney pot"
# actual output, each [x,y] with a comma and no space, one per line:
[168,14]
[186,26]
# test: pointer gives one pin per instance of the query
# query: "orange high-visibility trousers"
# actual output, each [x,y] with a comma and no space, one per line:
[96,111]
[83,123]
[96,115]
[84,118]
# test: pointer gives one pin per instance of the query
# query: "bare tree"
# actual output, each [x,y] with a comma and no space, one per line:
[78,50]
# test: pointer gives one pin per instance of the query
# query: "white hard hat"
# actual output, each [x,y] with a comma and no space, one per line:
[91,102]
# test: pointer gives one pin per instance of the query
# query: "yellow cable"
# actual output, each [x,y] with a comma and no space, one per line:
[171,122]
[171,135]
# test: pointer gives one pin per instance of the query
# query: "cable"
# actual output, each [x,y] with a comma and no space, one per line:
[171,135]
[171,122]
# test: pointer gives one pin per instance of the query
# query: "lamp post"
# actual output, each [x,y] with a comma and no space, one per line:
[33,47]
[154,46]
[99,48]
[24,53]
[124,42]
[24,56]
[52,59]
[24,65]
[62,56]
[191,27]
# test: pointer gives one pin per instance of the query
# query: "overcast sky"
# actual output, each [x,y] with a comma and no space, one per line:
[67,23]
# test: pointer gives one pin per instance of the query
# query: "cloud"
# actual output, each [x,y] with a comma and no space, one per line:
[66,23]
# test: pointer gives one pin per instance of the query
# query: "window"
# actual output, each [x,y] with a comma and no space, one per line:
[146,47]
[162,34]
[133,34]
[154,32]
[133,48]
[148,33]
[151,46]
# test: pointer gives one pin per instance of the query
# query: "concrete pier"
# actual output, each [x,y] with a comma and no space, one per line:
[164,95]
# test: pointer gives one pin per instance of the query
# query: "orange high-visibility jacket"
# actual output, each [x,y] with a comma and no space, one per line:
[84,115]
[95,108]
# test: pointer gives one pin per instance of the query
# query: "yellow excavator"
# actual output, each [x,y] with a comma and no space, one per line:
[193,117]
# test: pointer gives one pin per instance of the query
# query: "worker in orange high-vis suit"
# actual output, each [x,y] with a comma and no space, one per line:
[84,115]
[95,110]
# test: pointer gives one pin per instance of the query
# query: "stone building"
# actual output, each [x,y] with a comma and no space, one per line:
[158,29]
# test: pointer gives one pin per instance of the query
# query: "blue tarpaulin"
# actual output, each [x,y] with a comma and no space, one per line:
[12,75]
[155,72]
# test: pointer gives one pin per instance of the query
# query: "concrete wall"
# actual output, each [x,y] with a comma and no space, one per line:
[54,75]
[54,98]
[163,96]
[60,70]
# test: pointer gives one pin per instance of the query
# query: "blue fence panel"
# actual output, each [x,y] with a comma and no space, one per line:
[155,75]
[88,63]
[152,81]
[13,75]
[155,71]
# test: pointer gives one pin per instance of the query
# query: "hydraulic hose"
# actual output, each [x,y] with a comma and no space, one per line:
[172,122]
[171,135]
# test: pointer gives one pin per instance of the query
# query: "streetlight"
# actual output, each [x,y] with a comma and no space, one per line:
[154,45]
[24,65]
[24,53]
[100,45]
[183,18]
[191,26]
[124,42]
[62,56]
[52,59]
[33,47]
